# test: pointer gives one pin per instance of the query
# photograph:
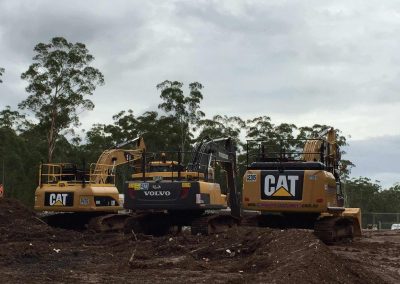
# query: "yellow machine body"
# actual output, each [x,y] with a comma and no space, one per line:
[59,194]
[304,189]
[317,190]
[64,188]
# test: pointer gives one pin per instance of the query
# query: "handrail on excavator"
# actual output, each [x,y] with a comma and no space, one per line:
[99,172]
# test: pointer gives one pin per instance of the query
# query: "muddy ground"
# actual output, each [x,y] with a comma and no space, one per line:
[32,252]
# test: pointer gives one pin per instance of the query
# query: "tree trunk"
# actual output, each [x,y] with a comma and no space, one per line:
[182,140]
[51,138]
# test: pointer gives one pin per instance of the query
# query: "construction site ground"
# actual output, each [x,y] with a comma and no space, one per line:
[32,252]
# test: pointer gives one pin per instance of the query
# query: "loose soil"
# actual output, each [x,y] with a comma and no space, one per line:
[33,252]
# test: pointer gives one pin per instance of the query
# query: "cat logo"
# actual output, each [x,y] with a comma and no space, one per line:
[282,186]
[59,199]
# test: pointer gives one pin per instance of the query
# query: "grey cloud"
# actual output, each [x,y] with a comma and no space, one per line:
[377,158]
[333,62]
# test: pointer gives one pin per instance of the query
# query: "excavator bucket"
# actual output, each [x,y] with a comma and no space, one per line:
[355,215]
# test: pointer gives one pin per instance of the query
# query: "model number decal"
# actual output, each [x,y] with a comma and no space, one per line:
[84,201]
[139,186]
[251,177]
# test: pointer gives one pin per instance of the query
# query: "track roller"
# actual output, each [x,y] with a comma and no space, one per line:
[333,229]
[213,224]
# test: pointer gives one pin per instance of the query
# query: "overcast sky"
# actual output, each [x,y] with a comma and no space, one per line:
[304,62]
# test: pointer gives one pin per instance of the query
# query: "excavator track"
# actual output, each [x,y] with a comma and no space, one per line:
[108,223]
[213,224]
[70,221]
[334,229]
[156,224]
[82,221]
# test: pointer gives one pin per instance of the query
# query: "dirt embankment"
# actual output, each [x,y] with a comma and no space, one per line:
[31,251]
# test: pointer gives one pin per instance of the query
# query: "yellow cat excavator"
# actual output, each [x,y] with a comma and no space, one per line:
[90,196]
[295,183]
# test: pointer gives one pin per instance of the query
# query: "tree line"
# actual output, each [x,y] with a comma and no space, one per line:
[60,82]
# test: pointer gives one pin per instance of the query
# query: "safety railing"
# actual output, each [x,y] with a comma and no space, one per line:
[54,173]
[170,165]
[68,173]
[287,150]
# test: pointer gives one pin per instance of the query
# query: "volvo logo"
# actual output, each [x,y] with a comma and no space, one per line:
[157,193]
[156,186]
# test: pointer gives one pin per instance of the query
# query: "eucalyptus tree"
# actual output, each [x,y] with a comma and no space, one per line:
[60,80]
[11,119]
[222,126]
[184,109]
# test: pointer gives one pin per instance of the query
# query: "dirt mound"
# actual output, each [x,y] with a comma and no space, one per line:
[254,254]
[30,248]
[13,209]
[19,223]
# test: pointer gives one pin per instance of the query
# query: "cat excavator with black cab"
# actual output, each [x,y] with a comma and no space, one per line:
[296,184]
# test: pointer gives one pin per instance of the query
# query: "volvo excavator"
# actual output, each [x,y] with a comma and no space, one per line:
[167,194]
[85,197]
[295,183]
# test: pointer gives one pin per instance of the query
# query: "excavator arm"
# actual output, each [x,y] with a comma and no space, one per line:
[223,151]
[114,157]
[323,149]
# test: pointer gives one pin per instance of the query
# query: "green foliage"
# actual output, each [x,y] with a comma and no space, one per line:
[221,126]
[282,135]
[11,119]
[363,193]
[159,132]
[389,200]
[184,109]
[17,166]
[59,81]
[261,128]
[1,73]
